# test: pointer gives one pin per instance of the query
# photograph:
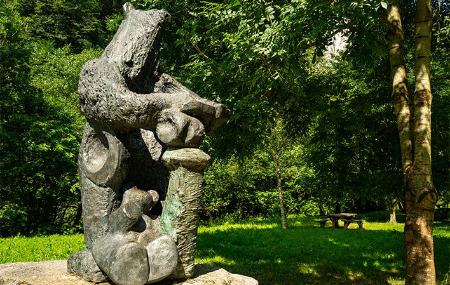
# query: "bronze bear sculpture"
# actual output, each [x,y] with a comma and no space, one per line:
[134,114]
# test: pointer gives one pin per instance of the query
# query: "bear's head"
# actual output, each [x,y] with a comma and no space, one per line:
[135,46]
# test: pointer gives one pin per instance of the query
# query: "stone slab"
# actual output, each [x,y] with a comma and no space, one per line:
[220,277]
[55,273]
[38,273]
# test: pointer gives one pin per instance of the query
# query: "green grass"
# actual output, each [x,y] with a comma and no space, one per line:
[303,254]
[18,249]
[307,254]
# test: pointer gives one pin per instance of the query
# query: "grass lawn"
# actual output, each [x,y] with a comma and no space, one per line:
[304,254]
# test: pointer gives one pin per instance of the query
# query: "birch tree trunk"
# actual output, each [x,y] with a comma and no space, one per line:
[400,85]
[393,204]
[277,141]
[283,215]
[420,194]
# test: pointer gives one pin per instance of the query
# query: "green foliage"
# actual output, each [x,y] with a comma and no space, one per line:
[382,216]
[441,108]
[352,139]
[40,132]
[14,54]
[230,189]
[338,147]
[74,22]
[41,145]
[55,72]
[247,186]
[13,218]
[16,101]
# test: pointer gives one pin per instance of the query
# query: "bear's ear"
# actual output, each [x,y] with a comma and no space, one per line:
[127,7]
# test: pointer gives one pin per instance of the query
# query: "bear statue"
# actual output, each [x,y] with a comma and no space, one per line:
[134,113]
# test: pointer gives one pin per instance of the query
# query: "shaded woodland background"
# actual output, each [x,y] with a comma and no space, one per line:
[325,117]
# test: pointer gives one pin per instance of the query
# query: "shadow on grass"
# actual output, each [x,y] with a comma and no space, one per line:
[305,254]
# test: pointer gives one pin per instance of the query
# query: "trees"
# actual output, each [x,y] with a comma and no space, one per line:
[261,58]
[77,23]
[15,101]
[441,97]
[40,129]
[420,193]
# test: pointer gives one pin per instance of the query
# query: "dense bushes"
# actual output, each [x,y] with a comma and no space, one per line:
[40,131]
[246,186]
[40,146]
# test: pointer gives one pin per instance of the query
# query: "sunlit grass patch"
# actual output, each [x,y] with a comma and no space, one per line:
[215,260]
[384,226]
[39,248]
[308,269]
[230,227]
[308,254]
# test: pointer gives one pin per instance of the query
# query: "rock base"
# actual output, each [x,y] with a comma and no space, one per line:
[38,273]
[55,273]
[219,277]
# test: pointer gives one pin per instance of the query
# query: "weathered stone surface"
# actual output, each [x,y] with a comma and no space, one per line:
[134,112]
[54,273]
[38,273]
[189,158]
[220,277]
[84,265]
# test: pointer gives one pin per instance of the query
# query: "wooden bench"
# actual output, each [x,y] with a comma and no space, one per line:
[322,222]
[359,222]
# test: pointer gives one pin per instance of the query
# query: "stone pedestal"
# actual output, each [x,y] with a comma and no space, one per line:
[55,273]
[39,273]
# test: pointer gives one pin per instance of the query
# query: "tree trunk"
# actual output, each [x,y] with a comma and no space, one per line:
[399,85]
[276,142]
[337,207]
[283,215]
[420,194]
[392,208]
[321,210]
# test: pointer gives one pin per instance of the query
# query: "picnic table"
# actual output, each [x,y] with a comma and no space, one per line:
[347,218]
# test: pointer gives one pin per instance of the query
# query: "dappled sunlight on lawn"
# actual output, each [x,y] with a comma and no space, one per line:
[216,260]
[307,254]
[308,269]
[303,254]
